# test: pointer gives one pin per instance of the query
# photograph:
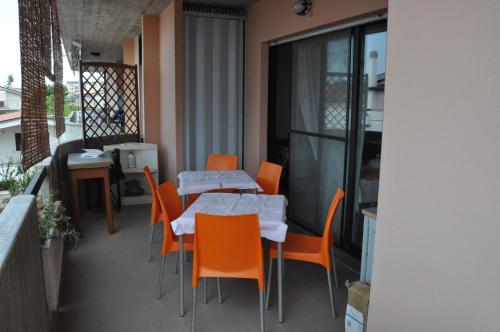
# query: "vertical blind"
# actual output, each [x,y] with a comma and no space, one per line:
[213,104]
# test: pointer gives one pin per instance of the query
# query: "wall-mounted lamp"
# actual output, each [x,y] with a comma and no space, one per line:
[302,7]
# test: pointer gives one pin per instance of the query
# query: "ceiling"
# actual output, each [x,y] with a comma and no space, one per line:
[100,26]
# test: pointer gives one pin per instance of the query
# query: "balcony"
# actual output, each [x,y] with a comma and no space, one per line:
[109,286]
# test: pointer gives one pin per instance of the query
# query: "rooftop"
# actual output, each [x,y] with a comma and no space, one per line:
[10,116]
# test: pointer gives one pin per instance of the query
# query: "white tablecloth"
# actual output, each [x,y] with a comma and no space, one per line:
[270,208]
[195,182]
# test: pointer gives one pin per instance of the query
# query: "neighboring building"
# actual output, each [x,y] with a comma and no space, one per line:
[73,96]
[10,99]
[73,87]
[10,135]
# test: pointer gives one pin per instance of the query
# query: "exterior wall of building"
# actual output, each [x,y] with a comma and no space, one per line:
[273,19]
[8,139]
[10,100]
[436,265]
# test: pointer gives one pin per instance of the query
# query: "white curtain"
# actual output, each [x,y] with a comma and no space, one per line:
[307,82]
[213,105]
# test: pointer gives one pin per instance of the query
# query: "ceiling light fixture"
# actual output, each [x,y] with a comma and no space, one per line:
[302,7]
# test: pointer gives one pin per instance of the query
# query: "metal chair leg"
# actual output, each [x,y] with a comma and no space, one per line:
[150,240]
[219,291]
[176,263]
[334,268]
[261,307]
[205,290]
[160,279]
[332,299]
[269,282]
[193,319]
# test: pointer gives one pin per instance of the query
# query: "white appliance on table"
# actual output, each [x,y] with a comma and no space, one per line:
[143,154]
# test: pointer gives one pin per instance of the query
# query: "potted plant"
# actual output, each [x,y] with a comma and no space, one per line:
[55,228]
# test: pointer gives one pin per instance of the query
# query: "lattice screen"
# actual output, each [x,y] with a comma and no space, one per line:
[110,103]
[335,101]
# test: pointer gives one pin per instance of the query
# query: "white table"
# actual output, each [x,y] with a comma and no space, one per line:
[196,182]
[271,210]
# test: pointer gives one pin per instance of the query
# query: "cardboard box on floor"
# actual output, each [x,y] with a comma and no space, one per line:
[358,298]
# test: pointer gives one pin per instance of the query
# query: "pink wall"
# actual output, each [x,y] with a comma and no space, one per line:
[171,53]
[272,19]
[129,51]
[151,78]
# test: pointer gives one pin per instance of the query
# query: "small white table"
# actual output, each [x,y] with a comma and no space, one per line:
[196,182]
[90,168]
[271,210]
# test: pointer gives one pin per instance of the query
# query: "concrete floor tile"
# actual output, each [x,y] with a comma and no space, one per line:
[109,286]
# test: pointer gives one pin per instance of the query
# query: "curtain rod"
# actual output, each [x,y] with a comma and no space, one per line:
[337,27]
[211,15]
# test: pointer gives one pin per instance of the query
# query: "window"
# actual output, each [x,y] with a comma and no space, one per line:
[18,141]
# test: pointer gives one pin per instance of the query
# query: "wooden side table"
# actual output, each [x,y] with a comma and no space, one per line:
[90,168]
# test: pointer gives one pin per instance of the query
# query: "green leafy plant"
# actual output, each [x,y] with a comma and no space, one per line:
[13,178]
[54,224]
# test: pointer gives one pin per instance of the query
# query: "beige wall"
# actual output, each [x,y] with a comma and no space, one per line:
[272,19]
[151,78]
[437,265]
[171,43]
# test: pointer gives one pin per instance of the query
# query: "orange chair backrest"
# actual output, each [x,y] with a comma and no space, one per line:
[222,162]
[155,205]
[171,209]
[269,178]
[227,246]
[327,232]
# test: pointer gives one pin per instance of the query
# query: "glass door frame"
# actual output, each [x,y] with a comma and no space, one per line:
[325,38]
[353,112]
[357,37]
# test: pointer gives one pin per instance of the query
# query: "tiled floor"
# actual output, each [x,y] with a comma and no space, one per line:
[108,286]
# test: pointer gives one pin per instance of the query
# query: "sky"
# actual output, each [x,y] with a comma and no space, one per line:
[10,60]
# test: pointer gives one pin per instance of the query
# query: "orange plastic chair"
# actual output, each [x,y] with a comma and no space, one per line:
[222,162]
[171,209]
[155,209]
[217,162]
[269,178]
[313,249]
[228,247]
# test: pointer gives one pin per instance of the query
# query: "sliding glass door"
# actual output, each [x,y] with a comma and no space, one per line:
[325,120]
[320,108]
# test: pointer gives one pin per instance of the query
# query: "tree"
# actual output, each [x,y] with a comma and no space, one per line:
[10,80]
[50,102]
[49,99]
